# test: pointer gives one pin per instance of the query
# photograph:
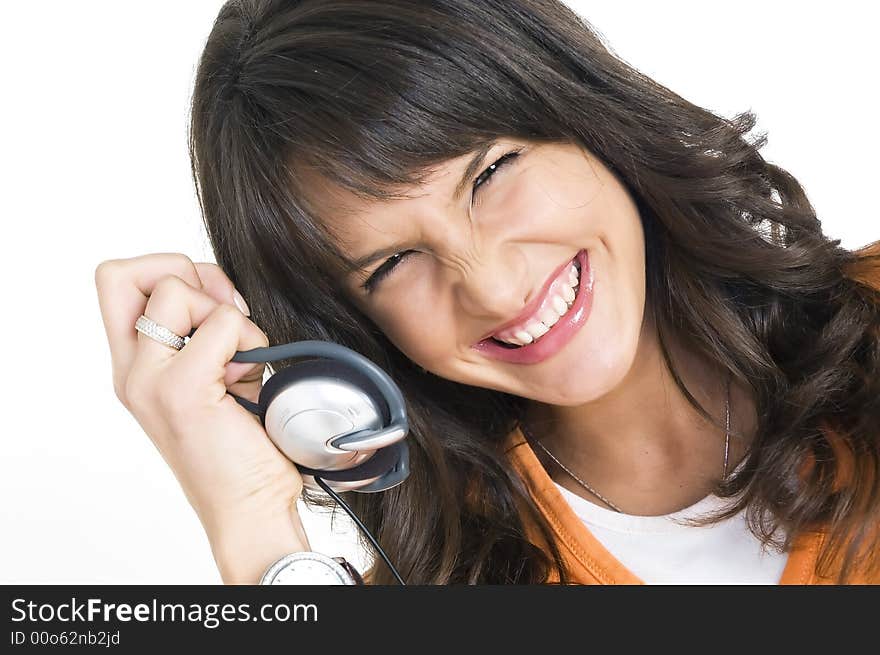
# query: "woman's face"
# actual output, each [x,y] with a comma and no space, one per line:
[494,269]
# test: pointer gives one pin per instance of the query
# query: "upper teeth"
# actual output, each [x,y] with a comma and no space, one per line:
[537,326]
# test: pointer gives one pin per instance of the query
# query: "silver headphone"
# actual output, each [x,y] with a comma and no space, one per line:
[336,416]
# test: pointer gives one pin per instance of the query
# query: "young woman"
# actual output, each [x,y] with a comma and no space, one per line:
[628,351]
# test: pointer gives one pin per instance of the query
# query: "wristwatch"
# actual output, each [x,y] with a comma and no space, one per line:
[311,568]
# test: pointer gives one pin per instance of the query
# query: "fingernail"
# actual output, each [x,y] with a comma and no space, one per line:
[240,303]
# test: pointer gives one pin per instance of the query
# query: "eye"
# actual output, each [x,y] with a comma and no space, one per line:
[384,269]
[485,177]
[480,182]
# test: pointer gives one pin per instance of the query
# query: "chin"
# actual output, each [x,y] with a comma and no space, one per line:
[573,394]
[580,378]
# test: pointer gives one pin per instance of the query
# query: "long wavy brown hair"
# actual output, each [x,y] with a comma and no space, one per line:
[372,95]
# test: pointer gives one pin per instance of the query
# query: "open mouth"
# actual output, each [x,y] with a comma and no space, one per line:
[548,319]
[563,308]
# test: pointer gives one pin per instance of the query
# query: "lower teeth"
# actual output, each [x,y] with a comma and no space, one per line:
[504,344]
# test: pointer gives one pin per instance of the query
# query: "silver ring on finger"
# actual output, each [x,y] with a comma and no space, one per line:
[159,333]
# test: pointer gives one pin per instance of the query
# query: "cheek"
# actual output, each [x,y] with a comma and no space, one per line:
[568,180]
[422,332]
[559,198]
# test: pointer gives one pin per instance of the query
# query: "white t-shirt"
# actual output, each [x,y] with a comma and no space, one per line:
[660,551]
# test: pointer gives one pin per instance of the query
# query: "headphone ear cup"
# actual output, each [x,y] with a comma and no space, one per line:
[387,463]
[310,402]
[330,368]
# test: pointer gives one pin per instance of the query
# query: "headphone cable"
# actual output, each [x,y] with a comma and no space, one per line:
[360,525]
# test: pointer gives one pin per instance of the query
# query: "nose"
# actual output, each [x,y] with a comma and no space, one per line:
[493,289]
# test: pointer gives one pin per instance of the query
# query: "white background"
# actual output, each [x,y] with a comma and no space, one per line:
[94,167]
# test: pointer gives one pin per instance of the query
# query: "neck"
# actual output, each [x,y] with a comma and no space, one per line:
[642,445]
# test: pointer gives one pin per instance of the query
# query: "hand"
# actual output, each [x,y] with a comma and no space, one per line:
[243,489]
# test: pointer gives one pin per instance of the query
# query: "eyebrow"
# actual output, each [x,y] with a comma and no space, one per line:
[473,166]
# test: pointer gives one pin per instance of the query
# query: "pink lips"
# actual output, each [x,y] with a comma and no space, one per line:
[535,304]
[558,335]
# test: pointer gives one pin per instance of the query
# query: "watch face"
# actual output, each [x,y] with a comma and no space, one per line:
[306,569]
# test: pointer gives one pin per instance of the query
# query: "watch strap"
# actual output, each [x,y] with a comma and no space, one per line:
[353,572]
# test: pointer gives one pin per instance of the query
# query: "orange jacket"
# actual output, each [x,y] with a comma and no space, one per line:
[589,562]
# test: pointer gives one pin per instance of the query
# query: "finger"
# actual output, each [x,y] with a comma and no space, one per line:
[176,305]
[205,359]
[246,380]
[124,287]
[217,285]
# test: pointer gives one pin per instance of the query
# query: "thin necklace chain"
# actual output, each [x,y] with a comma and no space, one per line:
[600,496]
